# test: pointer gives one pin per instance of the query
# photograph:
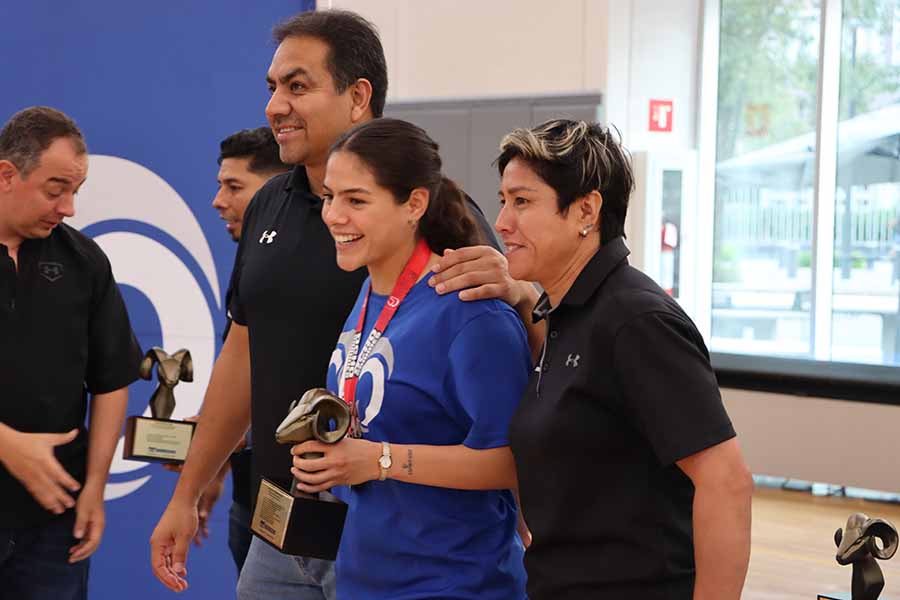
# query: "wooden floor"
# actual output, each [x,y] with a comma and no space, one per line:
[793,545]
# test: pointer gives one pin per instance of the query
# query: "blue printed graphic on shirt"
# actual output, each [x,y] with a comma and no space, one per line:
[445,372]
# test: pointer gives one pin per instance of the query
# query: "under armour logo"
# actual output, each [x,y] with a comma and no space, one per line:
[268,237]
[51,271]
[572,361]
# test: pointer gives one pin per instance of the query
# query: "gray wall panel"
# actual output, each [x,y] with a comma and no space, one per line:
[450,129]
[489,125]
[469,132]
[584,112]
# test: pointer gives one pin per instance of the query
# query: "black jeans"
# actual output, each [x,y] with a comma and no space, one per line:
[34,562]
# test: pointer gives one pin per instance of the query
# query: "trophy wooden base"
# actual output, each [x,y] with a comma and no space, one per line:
[157,440]
[309,527]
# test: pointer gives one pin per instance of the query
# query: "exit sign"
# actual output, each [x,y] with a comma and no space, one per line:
[660,115]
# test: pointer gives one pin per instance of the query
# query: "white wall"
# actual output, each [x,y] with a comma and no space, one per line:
[664,60]
[630,50]
[816,439]
[476,48]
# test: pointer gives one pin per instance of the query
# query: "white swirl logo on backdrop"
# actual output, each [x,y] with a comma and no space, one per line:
[121,190]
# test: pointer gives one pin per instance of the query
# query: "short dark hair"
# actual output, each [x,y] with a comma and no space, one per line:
[29,132]
[355,50]
[258,145]
[403,157]
[576,158]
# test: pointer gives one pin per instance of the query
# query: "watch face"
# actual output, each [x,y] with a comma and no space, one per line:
[385,462]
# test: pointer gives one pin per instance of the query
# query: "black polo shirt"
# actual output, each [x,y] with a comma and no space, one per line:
[289,291]
[624,390]
[64,333]
[241,461]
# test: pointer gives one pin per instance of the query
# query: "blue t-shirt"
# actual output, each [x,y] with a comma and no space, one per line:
[446,372]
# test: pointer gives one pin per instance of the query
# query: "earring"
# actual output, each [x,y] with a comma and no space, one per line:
[584,231]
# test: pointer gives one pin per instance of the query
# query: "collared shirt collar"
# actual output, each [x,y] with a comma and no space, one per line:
[26,247]
[541,309]
[592,276]
[4,249]
[299,181]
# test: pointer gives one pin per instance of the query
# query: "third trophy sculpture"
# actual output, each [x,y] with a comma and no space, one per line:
[293,521]
[159,438]
[859,543]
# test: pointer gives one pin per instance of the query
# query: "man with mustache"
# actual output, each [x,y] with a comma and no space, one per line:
[290,299]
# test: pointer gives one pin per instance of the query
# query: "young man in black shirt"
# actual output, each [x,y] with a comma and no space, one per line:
[64,334]
[289,298]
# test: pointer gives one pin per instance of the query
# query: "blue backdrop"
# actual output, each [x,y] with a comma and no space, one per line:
[155,87]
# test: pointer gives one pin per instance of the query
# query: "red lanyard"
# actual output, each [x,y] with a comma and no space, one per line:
[356,359]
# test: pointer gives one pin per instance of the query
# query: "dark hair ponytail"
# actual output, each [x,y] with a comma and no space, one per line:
[448,223]
[403,157]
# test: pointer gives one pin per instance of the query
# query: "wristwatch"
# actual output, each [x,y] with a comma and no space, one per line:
[384,461]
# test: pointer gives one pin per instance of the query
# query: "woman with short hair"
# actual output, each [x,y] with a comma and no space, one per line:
[631,480]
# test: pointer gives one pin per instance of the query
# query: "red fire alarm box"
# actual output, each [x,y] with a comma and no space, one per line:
[661,115]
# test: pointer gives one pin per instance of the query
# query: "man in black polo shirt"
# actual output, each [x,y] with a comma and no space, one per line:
[290,298]
[247,159]
[64,333]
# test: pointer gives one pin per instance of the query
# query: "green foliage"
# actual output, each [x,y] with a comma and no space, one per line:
[727,253]
[857,260]
[768,56]
[725,265]
[867,83]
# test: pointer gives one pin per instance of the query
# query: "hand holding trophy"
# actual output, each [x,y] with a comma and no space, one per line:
[158,438]
[292,521]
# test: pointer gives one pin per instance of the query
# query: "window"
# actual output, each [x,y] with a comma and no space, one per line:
[866,279]
[765,167]
[806,234]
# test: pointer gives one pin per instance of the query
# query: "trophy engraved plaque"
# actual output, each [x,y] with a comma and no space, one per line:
[860,543]
[290,520]
[158,438]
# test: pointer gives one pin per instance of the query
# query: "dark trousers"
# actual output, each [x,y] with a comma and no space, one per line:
[34,562]
[239,534]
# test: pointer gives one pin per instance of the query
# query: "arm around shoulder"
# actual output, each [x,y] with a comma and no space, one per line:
[483,272]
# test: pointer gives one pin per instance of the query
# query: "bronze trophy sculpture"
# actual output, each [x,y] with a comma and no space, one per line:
[858,545]
[159,438]
[292,521]
[169,371]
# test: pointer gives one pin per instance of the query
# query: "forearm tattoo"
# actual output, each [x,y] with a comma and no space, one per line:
[408,467]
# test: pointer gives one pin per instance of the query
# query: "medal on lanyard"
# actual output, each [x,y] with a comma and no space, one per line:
[356,358]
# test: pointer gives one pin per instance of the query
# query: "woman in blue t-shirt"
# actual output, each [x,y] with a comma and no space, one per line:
[432,381]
